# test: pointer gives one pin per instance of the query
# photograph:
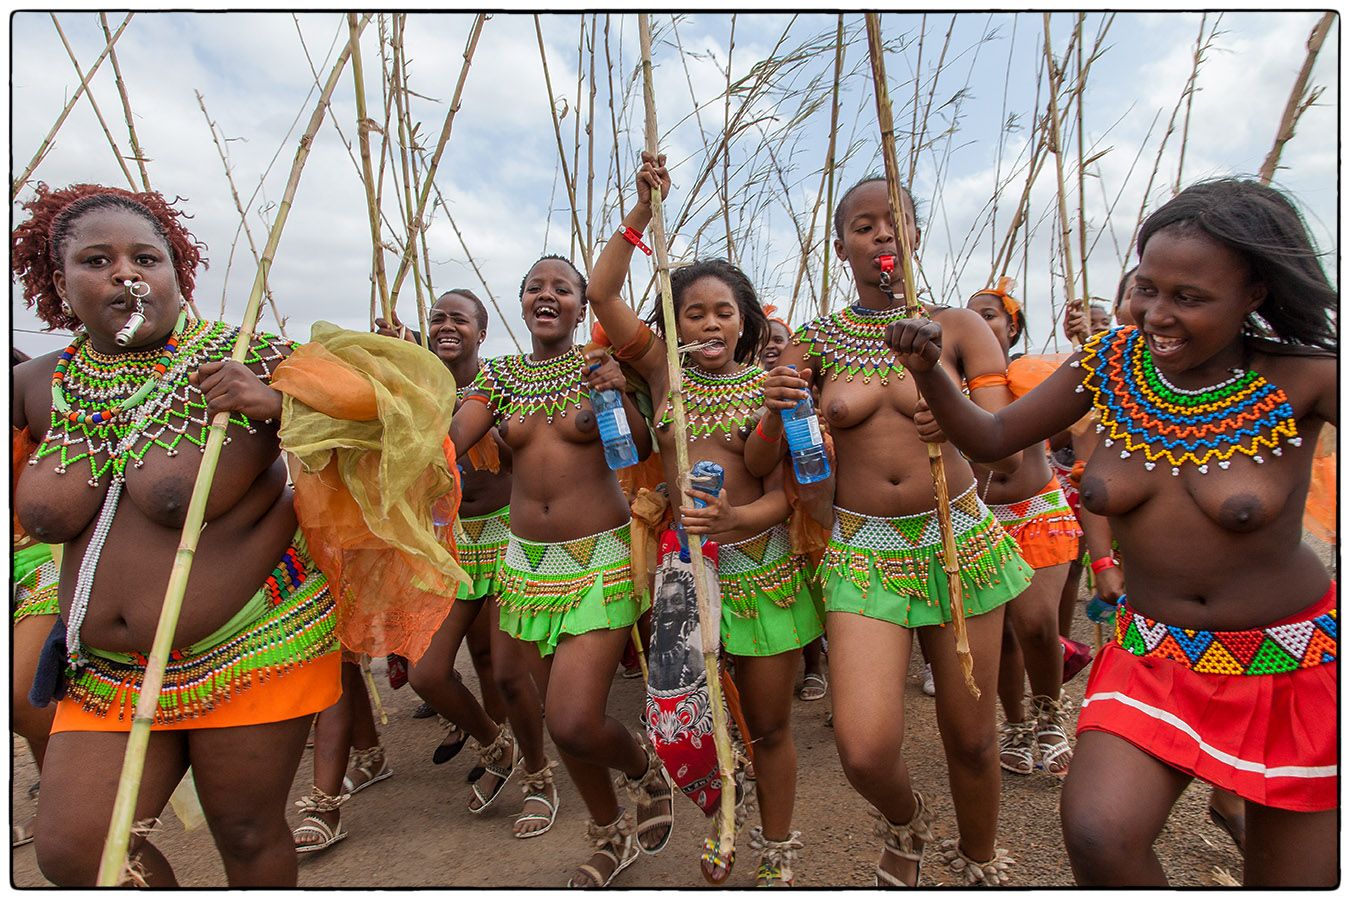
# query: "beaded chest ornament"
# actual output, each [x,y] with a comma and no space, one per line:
[725,403]
[1245,414]
[111,409]
[519,386]
[852,342]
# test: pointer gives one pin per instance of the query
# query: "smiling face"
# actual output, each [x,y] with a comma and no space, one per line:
[551,302]
[1190,298]
[708,313]
[453,328]
[996,317]
[869,232]
[106,248]
[774,347]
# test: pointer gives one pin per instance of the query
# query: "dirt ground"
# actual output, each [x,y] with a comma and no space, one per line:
[414,830]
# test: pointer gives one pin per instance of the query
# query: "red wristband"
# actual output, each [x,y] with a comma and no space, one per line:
[1101,565]
[634,237]
[759,430]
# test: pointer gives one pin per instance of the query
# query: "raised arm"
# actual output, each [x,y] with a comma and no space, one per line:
[621,323]
[982,435]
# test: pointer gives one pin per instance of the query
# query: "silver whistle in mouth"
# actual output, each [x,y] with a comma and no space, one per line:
[137,290]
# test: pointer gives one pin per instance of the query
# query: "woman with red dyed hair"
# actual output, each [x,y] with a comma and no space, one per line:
[107,427]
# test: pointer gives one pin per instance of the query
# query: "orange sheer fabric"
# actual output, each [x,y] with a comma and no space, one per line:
[365,419]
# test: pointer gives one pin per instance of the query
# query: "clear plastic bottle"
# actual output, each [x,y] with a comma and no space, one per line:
[707,476]
[620,450]
[806,445]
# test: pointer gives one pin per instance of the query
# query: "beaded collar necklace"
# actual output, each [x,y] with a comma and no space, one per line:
[110,410]
[519,386]
[724,403]
[1244,414]
[853,342]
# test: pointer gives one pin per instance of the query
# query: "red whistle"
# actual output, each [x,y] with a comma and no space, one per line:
[887,263]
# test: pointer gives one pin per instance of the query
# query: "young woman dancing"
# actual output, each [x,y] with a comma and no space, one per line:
[1030,506]
[882,574]
[1223,665]
[119,413]
[769,611]
[566,579]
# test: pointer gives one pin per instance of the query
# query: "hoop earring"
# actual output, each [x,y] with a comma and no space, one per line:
[65,308]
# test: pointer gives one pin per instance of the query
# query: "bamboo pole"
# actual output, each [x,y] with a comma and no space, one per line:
[364,125]
[708,628]
[89,94]
[726,157]
[46,144]
[1297,104]
[243,217]
[1082,168]
[126,104]
[444,139]
[562,152]
[1053,138]
[128,787]
[950,563]
[829,161]
[590,154]
[399,86]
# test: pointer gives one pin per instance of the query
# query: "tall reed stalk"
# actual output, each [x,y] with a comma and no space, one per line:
[1298,103]
[136,150]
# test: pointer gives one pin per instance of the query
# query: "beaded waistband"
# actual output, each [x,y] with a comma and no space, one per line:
[554,577]
[912,532]
[1260,651]
[491,531]
[1050,502]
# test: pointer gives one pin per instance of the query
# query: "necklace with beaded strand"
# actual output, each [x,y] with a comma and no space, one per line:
[1245,414]
[518,386]
[852,342]
[719,402]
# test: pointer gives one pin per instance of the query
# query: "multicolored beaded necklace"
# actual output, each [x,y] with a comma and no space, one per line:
[519,386]
[725,403]
[1245,414]
[853,342]
[111,409]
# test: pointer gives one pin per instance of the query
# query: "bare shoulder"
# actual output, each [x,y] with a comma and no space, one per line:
[31,377]
[956,319]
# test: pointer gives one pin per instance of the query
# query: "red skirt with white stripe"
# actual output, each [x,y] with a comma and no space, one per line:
[1270,738]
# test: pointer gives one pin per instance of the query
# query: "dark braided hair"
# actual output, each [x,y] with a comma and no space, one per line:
[37,245]
[547,256]
[479,310]
[754,323]
[1262,226]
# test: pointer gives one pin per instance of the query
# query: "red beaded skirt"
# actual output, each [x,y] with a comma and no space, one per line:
[1266,732]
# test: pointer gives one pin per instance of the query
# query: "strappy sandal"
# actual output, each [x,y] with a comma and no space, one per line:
[970,873]
[716,867]
[1051,740]
[491,758]
[648,792]
[616,848]
[775,858]
[319,802]
[814,685]
[538,787]
[367,767]
[898,842]
[1015,741]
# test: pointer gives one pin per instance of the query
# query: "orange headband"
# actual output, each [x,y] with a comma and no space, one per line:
[769,311]
[1003,290]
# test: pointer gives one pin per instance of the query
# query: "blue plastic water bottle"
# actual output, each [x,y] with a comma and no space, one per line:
[620,450]
[806,446]
[706,476]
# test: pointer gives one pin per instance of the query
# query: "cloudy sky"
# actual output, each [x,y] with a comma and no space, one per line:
[500,174]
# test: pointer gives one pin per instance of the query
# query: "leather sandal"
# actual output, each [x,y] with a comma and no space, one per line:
[814,685]
[898,842]
[648,792]
[538,787]
[499,760]
[1052,743]
[968,872]
[616,849]
[367,767]
[319,802]
[1015,740]
[775,858]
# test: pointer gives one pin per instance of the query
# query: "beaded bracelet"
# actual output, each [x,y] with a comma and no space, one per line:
[1101,565]
[634,237]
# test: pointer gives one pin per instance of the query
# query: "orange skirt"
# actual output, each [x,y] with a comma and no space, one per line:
[1044,526]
